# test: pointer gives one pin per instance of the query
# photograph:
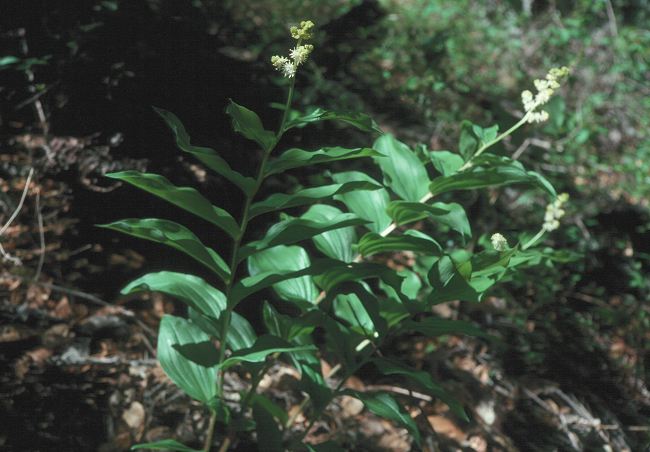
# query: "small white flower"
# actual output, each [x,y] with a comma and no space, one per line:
[289,69]
[545,89]
[554,212]
[499,242]
[300,53]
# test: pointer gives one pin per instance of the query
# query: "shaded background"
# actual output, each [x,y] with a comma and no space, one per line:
[77,82]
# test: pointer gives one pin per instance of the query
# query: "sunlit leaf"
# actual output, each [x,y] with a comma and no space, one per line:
[307,196]
[361,121]
[337,243]
[490,171]
[445,162]
[369,205]
[196,380]
[297,158]
[270,267]
[403,171]
[411,240]
[294,230]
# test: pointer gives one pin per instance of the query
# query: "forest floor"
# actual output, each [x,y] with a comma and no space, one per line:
[79,371]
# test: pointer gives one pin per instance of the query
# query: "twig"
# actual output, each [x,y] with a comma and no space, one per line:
[612,18]
[41,235]
[13,216]
[400,391]
[20,204]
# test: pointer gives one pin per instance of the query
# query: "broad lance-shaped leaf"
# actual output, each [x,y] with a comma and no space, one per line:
[389,367]
[490,171]
[468,142]
[197,381]
[445,162]
[204,300]
[403,171]
[174,235]
[266,428]
[369,205]
[247,123]
[453,281]
[166,444]
[268,267]
[337,243]
[450,214]
[305,196]
[184,197]
[295,230]
[361,121]
[297,158]
[373,243]
[209,157]
[386,407]
[263,347]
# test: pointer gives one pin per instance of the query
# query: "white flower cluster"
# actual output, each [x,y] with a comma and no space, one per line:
[554,212]
[499,242]
[299,54]
[545,89]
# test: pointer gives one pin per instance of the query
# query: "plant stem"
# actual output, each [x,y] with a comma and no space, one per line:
[480,150]
[210,434]
[226,315]
[534,240]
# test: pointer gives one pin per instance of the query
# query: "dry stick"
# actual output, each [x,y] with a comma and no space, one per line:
[14,215]
[41,235]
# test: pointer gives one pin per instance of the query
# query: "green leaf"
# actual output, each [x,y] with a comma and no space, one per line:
[209,157]
[485,136]
[190,289]
[389,367]
[490,171]
[369,205]
[165,444]
[403,171]
[404,212]
[289,328]
[206,304]
[386,407]
[247,123]
[184,197]
[361,121]
[273,265]
[305,196]
[337,243]
[339,273]
[297,158]
[8,60]
[270,407]
[468,142]
[173,235]
[445,162]
[295,230]
[411,240]
[356,304]
[269,436]
[264,346]
[450,284]
[196,380]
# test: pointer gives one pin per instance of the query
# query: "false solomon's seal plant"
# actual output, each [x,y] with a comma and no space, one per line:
[337,285]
